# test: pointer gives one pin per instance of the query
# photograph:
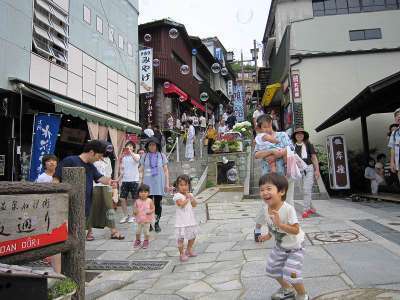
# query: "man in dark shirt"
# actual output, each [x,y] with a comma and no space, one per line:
[92,152]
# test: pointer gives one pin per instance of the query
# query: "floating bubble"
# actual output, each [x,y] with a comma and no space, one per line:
[224,71]
[166,85]
[185,70]
[182,99]
[244,16]
[216,68]
[156,62]
[203,96]
[147,37]
[173,33]
[232,175]
[194,51]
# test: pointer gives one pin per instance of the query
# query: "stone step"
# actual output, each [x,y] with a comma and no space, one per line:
[231,188]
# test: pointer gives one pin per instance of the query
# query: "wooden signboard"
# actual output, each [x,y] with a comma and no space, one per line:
[29,221]
[338,165]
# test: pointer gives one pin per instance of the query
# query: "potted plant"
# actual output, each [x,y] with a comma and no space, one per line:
[62,290]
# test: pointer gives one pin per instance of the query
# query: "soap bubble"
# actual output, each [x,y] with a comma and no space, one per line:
[194,51]
[182,99]
[166,85]
[216,68]
[173,33]
[244,16]
[203,96]
[232,175]
[185,70]
[224,71]
[147,37]
[156,62]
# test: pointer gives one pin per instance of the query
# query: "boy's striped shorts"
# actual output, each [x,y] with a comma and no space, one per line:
[286,264]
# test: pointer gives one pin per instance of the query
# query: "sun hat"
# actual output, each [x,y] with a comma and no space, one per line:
[300,130]
[155,141]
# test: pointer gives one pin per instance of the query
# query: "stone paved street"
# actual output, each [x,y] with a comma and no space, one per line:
[343,253]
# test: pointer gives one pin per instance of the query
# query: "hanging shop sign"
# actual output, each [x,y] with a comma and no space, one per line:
[32,221]
[296,87]
[337,161]
[230,87]
[146,71]
[148,102]
[238,103]
[45,131]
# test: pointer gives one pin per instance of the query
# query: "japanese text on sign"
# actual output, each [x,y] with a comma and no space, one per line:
[28,222]
[296,86]
[146,70]
[238,103]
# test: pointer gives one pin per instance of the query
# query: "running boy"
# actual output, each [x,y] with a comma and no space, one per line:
[285,262]
[143,209]
[265,141]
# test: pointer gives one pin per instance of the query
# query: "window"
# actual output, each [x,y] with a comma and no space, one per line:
[99,24]
[337,7]
[111,34]
[120,42]
[50,32]
[86,14]
[365,34]
[130,50]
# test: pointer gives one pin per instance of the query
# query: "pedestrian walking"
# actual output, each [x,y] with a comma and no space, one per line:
[49,165]
[222,128]
[306,151]
[231,121]
[394,145]
[186,227]
[92,152]
[203,124]
[154,173]
[258,112]
[102,213]
[285,263]
[144,214]
[189,150]
[211,120]
[196,123]
[129,177]
[211,136]
[170,121]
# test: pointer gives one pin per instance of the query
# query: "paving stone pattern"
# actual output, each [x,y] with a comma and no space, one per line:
[230,265]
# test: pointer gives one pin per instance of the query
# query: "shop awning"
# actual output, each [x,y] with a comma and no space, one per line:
[269,93]
[70,107]
[198,105]
[380,97]
[173,89]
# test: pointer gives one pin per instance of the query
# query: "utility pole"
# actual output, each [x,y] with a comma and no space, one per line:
[255,61]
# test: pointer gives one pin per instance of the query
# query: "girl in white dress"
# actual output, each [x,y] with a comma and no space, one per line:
[186,227]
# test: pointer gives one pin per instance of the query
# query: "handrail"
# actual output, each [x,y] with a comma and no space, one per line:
[173,147]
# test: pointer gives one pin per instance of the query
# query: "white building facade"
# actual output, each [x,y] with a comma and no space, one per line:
[324,53]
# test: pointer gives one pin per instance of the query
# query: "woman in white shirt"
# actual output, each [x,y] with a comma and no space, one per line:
[222,128]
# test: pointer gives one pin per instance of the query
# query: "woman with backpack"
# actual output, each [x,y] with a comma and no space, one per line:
[305,150]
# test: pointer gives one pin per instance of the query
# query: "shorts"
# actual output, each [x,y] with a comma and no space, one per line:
[143,227]
[286,264]
[129,187]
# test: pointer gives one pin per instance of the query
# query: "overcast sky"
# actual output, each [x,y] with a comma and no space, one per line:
[235,22]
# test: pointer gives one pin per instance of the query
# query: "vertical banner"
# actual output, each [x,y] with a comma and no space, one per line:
[149,107]
[146,71]
[338,165]
[296,86]
[45,131]
[238,103]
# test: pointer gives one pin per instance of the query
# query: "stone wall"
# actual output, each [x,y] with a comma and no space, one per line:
[240,159]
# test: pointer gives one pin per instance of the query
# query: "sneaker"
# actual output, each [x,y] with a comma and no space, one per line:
[131,219]
[306,214]
[302,297]
[151,228]
[157,227]
[137,244]
[283,294]
[145,244]
[183,258]
[124,220]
